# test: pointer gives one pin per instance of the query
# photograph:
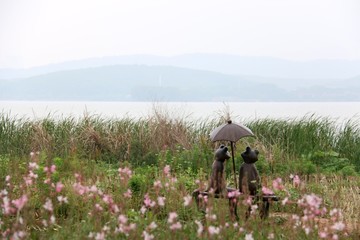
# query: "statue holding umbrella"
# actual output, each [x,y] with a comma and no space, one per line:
[231,132]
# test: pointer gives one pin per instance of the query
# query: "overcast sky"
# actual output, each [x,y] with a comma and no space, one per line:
[34,32]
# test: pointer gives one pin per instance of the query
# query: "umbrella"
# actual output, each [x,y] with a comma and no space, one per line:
[230,132]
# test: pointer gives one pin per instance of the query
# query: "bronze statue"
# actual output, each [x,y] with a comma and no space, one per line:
[250,183]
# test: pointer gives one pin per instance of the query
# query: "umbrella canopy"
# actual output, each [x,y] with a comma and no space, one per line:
[230,132]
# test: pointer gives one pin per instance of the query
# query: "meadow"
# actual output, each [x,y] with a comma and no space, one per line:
[103,178]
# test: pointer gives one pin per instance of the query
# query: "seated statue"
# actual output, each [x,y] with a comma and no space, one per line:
[250,183]
[217,183]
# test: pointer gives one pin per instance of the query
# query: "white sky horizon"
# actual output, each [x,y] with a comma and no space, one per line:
[39,32]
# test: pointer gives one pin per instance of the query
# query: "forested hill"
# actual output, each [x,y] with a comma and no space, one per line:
[162,83]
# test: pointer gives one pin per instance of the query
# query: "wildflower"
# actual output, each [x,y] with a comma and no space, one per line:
[153,225]
[266,191]
[148,202]
[253,209]
[248,201]
[277,184]
[98,207]
[147,236]
[249,236]
[33,165]
[187,200]
[125,173]
[122,219]
[172,217]
[213,230]
[100,236]
[335,237]
[93,189]
[52,219]
[283,202]
[128,194]
[44,223]
[166,170]
[33,175]
[59,187]
[143,210]
[161,201]
[157,184]
[234,194]
[271,236]
[338,226]
[200,227]
[62,199]
[296,181]
[19,235]
[20,203]
[48,205]
[176,226]
[322,234]
[307,230]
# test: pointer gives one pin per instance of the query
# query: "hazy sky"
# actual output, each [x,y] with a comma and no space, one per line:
[35,32]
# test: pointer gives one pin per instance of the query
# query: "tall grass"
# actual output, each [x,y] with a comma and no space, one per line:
[139,141]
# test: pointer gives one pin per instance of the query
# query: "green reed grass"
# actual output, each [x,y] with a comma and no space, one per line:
[139,141]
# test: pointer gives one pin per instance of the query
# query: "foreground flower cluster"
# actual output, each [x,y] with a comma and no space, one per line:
[42,203]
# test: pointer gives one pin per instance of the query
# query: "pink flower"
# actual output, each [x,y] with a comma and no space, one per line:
[200,227]
[122,219]
[234,194]
[187,200]
[62,199]
[271,236]
[267,191]
[213,230]
[166,170]
[322,234]
[148,202]
[296,181]
[249,236]
[143,210]
[59,187]
[176,226]
[147,236]
[48,205]
[153,225]
[338,226]
[52,219]
[6,206]
[98,207]
[157,184]
[161,201]
[128,193]
[172,217]
[283,202]
[277,184]
[125,173]
[33,165]
[20,203]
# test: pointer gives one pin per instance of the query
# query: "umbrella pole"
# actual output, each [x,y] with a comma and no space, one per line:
[232,154]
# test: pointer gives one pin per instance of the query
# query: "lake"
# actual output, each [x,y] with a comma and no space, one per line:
[339,111]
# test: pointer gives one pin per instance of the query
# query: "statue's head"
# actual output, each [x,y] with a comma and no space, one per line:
[250,156]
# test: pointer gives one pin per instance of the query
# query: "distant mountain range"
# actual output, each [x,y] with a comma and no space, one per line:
[197,77]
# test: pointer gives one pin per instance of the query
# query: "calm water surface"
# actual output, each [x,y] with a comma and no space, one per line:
[338,111]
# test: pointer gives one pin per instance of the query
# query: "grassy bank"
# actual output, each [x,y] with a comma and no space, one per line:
[124,178]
